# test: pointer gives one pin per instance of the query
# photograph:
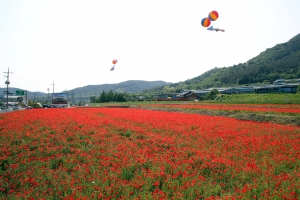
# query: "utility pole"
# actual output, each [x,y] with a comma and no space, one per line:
[73,99]
[26,98]
[66,91]
[53,90]
[7,82]
[94,99]
[48,95]
[53,86]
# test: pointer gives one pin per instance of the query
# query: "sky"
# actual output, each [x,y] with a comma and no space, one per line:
[71,43]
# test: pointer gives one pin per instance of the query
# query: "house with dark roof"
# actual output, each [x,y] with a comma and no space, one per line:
[185,95]
[279,81]
[236,90]
[287,88]
[197,94]
[201,93]
[160,97]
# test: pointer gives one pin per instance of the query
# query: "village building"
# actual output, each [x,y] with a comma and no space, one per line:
[188,95]
[287,88]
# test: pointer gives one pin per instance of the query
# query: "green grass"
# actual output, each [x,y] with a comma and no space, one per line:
[276,98]
[272,98]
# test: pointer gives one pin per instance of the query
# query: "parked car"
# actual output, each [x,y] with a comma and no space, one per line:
[37,105]
[47,106]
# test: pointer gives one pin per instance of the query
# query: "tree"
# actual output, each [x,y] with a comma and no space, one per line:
[212,94]
[120,97]
[102,97]
[110,96]
[93,99]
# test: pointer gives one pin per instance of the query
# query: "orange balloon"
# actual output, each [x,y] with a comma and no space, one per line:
[205,22]
[213,15]
[114,61]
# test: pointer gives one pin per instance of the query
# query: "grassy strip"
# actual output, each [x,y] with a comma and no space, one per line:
[272,98]
[280,118]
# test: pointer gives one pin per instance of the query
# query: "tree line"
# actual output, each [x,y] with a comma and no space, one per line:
[108,97]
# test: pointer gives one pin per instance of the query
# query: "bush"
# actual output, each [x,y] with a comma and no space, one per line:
[212,94]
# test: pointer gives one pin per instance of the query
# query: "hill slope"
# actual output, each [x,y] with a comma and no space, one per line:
[127,86]
[280,61]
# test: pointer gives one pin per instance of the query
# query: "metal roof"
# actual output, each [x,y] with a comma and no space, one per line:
[276,86]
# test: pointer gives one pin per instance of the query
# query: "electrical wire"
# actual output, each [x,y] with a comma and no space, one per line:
[29,81]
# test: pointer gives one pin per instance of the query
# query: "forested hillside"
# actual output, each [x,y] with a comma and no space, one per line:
[126,86]
[280,61]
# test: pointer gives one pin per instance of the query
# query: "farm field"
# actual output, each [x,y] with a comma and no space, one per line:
[134,153]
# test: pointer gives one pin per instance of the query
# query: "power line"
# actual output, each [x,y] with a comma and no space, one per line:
[29,80]
[35,82]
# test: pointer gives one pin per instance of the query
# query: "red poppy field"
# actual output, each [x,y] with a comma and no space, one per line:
[127,153]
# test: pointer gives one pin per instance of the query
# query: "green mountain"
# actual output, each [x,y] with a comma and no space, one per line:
[84,93]
[127,86]
[132,86]
[279,62]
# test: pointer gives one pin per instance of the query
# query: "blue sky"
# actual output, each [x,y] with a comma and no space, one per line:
[72,43]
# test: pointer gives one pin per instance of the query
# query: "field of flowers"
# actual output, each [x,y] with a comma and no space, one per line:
[128,153]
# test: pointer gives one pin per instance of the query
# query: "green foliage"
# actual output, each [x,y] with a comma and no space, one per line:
[108,97]
[56,162]
[80,103]
[4,165]
[212,94]
[103,97]
[93,99]
[128,173]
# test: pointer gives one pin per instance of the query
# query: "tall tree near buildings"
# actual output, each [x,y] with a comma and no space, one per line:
[110,96]
[103,97]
